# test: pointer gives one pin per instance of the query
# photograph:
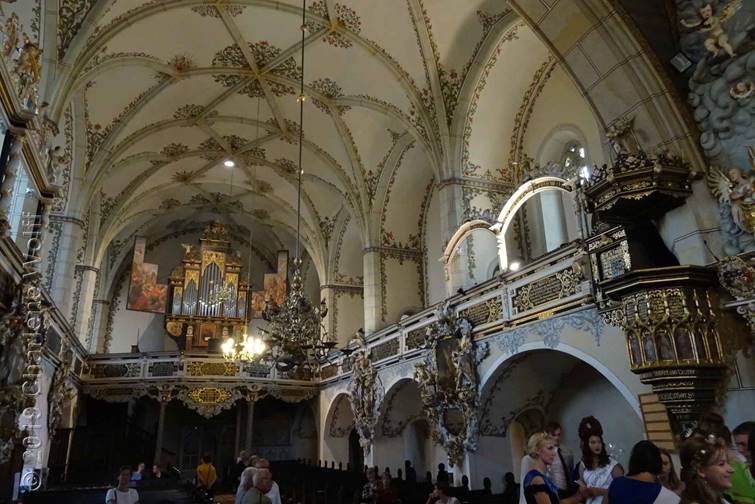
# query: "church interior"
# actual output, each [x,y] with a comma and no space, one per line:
[376,251]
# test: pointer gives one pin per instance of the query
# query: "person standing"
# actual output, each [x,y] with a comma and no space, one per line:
[242,462]
[563,465]
[139,474]
[274,494]
[122,494]
[706,472]
[524,467]
[668,477]
[597,469]
[411,474]
[538,488]
[640,485]
[261,483]
[206,474]
[442,476]
[741,435]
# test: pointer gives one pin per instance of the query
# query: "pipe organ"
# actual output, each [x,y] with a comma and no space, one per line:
[208,300]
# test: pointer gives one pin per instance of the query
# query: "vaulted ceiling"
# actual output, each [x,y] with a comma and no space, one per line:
[161,92]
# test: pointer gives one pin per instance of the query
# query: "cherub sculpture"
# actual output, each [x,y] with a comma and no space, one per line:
[736,189]
[742,90]
[711,24]
[58,160]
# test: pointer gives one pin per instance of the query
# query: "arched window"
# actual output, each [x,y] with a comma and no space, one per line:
[574,161]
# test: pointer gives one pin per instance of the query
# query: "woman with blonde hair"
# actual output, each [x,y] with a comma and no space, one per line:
[538,488]
[705,470]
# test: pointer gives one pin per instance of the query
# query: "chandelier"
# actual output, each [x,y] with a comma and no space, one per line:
[247,349]
[296,328]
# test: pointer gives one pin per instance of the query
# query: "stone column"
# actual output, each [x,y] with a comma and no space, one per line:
[99,322]
[249,425]
[62,266]
[373,291]
[83,304]
[450,202]
[160,429]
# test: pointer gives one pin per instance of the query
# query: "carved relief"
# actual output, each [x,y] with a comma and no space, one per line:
[448,383]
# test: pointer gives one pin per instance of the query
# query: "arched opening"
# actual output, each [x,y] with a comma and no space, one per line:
[551,386]
[469,257]
[338,445]
[403,432]
[356,454]
[540,220]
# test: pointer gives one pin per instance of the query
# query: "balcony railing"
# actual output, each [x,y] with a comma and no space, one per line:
[552,284]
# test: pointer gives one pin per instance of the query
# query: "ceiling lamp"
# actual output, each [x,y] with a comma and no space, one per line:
[228,163]
[296,329]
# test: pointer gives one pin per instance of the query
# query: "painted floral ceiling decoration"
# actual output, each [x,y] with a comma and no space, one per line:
[161,92]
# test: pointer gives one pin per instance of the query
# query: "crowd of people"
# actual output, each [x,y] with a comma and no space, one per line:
[717,468]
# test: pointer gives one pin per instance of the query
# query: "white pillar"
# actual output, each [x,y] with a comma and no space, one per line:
[373,291]
[86,281]
[450,199]
[64,261]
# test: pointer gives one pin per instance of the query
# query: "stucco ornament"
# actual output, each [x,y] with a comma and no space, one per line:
[735,190]
[718,36]
[449,383]
[737,276]
[364,391]
[61,393]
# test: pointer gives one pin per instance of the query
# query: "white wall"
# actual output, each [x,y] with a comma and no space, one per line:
[585,393]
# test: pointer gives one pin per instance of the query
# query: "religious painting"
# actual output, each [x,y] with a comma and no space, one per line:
[446,367]
[258,304]
[274,287]
[144,293]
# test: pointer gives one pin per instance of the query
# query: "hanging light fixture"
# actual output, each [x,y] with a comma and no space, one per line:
[296,327]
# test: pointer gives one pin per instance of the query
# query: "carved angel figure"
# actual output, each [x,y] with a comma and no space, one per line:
[621,136]
[10,30]
[713,25]
[28,70]
[58,160]
[742,90]
[735,189]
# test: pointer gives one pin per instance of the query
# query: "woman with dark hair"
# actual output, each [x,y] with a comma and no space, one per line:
[122,494]
[597,469]
[668,477]
[706,472]
[641,486]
